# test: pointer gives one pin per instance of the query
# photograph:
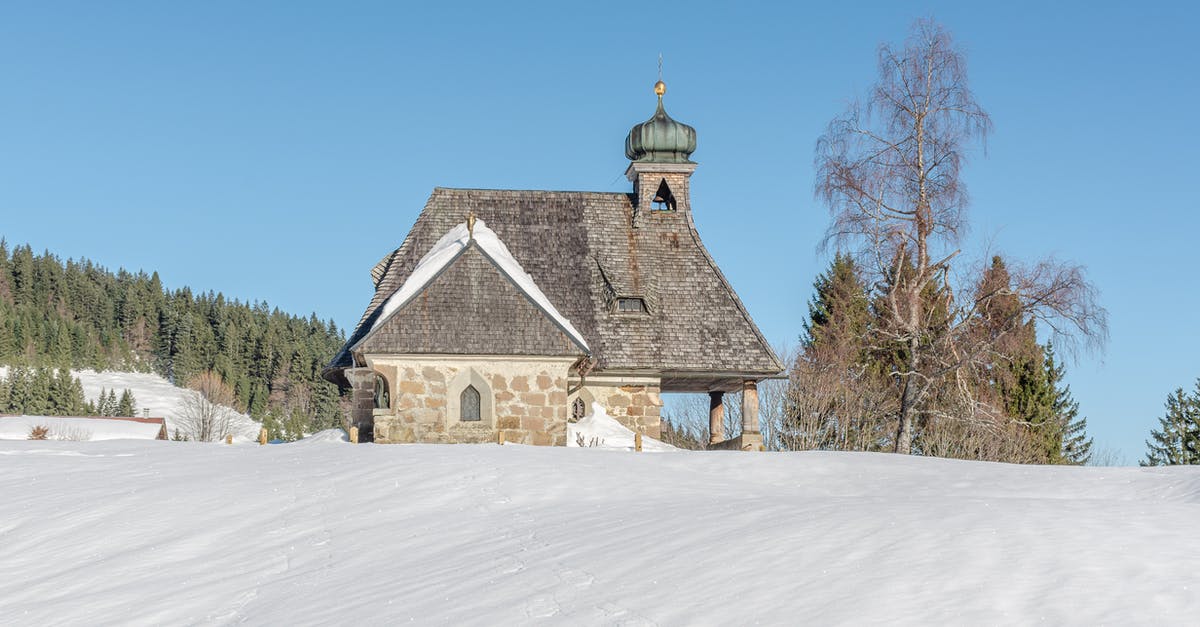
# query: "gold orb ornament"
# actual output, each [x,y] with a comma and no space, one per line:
[660,88]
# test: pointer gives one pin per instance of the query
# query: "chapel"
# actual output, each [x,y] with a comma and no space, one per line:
[509,313]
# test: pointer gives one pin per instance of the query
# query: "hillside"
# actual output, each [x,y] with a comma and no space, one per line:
[325,532]
[152,393]
[80,315]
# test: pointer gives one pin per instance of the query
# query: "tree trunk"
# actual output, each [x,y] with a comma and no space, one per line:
[904,431]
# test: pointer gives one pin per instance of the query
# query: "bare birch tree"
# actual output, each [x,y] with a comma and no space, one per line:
[207,414]
[889,169]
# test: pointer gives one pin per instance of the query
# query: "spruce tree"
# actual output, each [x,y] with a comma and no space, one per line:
[1177,440]
[1075,447]
[127,405]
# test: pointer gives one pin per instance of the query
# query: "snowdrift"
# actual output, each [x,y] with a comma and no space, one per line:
[325,532]
[602,431]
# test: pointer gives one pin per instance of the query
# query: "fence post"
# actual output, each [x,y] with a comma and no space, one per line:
[637,441]
[500,437]
[262,436]
[229,438]
[354,435]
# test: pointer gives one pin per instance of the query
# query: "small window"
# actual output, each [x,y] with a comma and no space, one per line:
[631,305]
[578,410]
[469,405]
[383,400]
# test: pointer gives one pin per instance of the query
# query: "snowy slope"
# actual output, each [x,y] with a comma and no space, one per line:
[152,392]
[325,532]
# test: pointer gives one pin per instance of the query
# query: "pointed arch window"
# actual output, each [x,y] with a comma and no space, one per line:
[468,403]
[664,200]
[578,410]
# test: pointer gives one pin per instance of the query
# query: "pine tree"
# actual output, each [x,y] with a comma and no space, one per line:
[1075,447]
[127,405]
[1177,440]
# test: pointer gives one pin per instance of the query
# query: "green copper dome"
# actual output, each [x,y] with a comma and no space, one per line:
[660,139]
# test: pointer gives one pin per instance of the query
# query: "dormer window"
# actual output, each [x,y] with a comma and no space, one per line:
[664,200]
[631,305]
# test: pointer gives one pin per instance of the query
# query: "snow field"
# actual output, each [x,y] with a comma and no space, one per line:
[321,532]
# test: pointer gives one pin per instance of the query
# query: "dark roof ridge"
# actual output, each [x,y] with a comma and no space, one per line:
[528,191]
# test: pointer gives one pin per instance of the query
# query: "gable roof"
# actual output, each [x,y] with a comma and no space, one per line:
[469,296]
[583,249]
[84,427]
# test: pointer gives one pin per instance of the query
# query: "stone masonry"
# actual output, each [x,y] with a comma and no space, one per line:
[524,399]
[636,404]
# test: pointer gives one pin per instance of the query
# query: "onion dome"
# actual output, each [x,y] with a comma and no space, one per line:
[660,139]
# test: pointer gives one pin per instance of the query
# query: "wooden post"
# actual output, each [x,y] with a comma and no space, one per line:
[637,441]
[262,436]
[500,437]
[229,438]
[716,417]
[354,435]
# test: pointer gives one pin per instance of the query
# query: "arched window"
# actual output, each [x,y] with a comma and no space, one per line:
[578,410]
[468,403]
[383,400]
[664,200]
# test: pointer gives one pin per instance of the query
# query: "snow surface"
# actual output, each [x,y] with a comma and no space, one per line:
[324,532]
[150,391]
[602,431]
[444,251]
[77,428]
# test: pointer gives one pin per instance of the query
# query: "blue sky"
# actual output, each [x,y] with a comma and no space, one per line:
[276,150]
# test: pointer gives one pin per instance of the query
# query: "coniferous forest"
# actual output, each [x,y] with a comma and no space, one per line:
[76,314]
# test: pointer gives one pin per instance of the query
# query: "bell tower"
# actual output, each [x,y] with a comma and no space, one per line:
[659,152]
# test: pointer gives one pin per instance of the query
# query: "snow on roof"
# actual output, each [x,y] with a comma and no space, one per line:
[448,248]
[82,427]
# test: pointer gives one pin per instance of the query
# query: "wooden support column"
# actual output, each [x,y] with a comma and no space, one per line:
[716,417]
[749,406]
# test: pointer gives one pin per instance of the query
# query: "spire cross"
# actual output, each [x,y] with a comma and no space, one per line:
[660,66]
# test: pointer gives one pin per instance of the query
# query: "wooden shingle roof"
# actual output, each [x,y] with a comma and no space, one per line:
[582,250]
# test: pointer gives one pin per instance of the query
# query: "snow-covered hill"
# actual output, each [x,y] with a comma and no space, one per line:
[324,532]
[156,394]
[151,392]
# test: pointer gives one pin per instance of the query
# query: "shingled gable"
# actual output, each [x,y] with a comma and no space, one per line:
[585,251]
[468,295]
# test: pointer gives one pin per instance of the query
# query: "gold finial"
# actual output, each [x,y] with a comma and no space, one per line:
[660,87]
[471,225]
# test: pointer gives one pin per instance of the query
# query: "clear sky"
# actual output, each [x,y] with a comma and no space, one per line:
[276,150]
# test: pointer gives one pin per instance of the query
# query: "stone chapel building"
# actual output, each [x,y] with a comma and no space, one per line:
[515,311]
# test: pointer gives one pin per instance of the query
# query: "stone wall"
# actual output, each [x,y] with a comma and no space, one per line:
[524,398]
[635,403]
